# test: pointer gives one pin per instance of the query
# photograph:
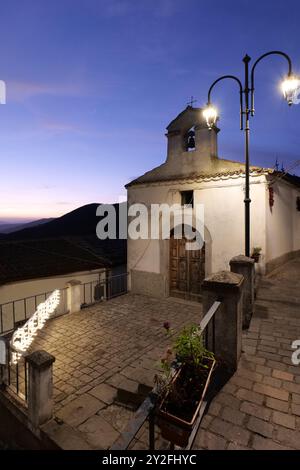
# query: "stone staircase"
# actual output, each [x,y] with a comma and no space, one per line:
[279,292]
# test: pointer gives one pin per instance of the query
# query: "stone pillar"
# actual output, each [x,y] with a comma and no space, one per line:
[226,342]
[245,266]
[73,296]
[40,387]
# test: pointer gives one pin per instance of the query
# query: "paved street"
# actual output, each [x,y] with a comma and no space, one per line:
[260,406]
[106,358]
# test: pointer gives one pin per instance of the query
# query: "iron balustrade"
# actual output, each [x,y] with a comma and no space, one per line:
[16,312]
[103,289]
[14,377]
[146,412]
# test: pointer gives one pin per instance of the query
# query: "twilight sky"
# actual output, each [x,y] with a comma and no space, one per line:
[92,84]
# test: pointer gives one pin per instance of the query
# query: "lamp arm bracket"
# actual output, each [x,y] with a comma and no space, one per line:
[232,77]
[283,54]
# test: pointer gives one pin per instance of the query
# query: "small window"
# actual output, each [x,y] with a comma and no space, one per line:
[187,198]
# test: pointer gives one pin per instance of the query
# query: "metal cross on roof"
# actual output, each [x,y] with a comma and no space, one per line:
[192,101]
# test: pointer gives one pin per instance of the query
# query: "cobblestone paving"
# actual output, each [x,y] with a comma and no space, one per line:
[259,408]
[110,346]
[116,345]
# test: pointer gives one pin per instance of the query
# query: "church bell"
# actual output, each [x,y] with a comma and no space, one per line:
[191,140]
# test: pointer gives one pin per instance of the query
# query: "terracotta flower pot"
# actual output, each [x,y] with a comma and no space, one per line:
[176,429]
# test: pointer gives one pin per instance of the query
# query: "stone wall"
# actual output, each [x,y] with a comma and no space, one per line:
[146,283]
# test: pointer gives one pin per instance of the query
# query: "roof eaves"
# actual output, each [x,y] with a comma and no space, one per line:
[254,171]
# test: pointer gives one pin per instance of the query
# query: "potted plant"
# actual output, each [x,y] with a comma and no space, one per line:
[187,370]
[256,254]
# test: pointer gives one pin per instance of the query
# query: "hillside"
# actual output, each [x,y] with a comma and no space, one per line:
[81,221]
[9,228]
[64,245]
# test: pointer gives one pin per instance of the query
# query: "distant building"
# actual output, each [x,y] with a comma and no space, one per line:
[31,268]
[193,173]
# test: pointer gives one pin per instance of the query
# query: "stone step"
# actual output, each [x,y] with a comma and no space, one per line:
[275,297]
[132,393]
[290,288]
[267,309]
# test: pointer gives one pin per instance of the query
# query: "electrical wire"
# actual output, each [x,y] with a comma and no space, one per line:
[283,174]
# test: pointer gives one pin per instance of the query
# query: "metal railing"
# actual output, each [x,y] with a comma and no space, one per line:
[103,289]
[16,312]
[15,376]
[146,412]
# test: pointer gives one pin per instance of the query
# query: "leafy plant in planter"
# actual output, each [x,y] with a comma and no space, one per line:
[256,254]
[181,394]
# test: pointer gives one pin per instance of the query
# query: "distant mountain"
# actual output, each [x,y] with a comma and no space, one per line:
[64,245]
[81,221]
[38,258]
[9,228]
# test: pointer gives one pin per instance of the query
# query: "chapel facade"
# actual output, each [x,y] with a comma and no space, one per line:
[193,173]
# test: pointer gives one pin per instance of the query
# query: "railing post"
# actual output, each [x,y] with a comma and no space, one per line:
[5,373]
[108,284]
[244,265]
[73,296]
[151,422]
[225,332]
[40,387]
[4,362]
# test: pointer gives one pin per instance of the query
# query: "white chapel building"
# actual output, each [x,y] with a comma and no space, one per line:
[194,173]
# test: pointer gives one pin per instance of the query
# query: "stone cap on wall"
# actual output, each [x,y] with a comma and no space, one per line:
[73,282]
[223,281]
[241,259]
[40,359]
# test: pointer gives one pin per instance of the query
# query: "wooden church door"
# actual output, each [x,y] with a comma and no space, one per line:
[187,270]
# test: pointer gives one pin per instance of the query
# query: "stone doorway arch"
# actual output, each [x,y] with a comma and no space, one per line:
[187,269]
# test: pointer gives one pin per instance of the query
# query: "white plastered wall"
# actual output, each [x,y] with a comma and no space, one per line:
[283,221]
[223,218]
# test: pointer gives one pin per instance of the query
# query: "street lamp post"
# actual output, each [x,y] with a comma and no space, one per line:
[289,87]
